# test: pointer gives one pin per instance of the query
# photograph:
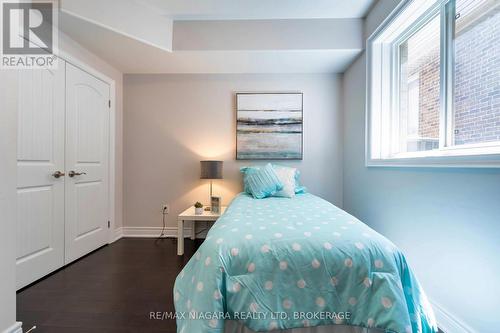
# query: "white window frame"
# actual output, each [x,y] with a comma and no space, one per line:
[382,93]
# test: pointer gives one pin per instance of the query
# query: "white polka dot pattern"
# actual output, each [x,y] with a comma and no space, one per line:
[379,263]
[268,285]
[320,301]
[348,262]
[287,304]
[298,255]
[386,302]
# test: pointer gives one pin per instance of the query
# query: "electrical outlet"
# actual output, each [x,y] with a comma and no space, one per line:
[166,209]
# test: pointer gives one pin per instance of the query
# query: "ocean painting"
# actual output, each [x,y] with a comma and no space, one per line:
[269,126]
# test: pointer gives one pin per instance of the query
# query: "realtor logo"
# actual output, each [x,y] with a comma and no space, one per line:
[29,34]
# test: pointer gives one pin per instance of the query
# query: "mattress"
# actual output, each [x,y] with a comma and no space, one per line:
[280,263]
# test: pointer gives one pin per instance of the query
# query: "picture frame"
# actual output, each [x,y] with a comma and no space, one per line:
[215,204]
[269,125]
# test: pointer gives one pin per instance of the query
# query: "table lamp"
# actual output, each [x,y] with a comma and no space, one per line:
[211,170]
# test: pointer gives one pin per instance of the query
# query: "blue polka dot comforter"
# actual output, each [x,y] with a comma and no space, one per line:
[280,263]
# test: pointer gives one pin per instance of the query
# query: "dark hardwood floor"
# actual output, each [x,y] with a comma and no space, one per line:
[112,290]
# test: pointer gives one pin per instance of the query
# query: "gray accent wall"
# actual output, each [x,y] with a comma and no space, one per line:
[171,122]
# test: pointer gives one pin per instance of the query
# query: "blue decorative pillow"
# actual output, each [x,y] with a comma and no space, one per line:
[262,182]
[246,171]
[299,189]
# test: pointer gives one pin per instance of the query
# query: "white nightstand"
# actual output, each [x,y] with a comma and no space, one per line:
[189,215]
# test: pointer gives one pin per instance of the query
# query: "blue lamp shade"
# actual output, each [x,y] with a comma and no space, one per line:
[211,170]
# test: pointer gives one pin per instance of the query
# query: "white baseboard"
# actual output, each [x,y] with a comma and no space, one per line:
[16,328]
[449,323]
[117,234]
[153,232]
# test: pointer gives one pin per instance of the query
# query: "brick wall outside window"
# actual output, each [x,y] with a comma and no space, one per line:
[429,97]
[477,82]
[477,85]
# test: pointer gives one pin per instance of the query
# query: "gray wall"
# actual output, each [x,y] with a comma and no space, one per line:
[446,221]
[171,122]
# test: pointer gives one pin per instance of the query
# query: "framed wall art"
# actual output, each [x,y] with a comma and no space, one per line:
[269,126]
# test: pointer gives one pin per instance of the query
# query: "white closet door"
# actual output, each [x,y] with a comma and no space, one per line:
[40,153]
[87,154]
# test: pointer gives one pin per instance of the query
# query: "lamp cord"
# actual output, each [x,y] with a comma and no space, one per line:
[201,231]
[164,225]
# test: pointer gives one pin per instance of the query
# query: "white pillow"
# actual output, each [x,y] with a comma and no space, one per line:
[287,178]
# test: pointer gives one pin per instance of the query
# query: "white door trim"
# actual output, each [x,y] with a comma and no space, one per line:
[112,132]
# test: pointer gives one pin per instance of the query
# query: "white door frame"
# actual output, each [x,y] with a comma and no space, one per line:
[112,132]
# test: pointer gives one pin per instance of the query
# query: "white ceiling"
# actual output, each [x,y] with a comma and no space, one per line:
[131,55]
[258,9]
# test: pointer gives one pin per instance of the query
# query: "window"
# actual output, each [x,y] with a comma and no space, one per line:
[477,72]
[434,85]
[419,89]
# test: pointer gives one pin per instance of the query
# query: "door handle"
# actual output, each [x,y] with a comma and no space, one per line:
[58,174]
[73,173]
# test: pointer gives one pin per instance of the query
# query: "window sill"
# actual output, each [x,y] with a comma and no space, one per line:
[438,161]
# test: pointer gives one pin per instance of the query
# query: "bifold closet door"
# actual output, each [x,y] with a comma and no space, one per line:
[40,188]
[87,153]
[62,178]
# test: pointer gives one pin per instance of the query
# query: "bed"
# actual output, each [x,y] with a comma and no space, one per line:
[280,263]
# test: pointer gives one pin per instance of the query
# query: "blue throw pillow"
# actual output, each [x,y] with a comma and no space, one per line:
[299,189]
[246,171]
[261,182]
